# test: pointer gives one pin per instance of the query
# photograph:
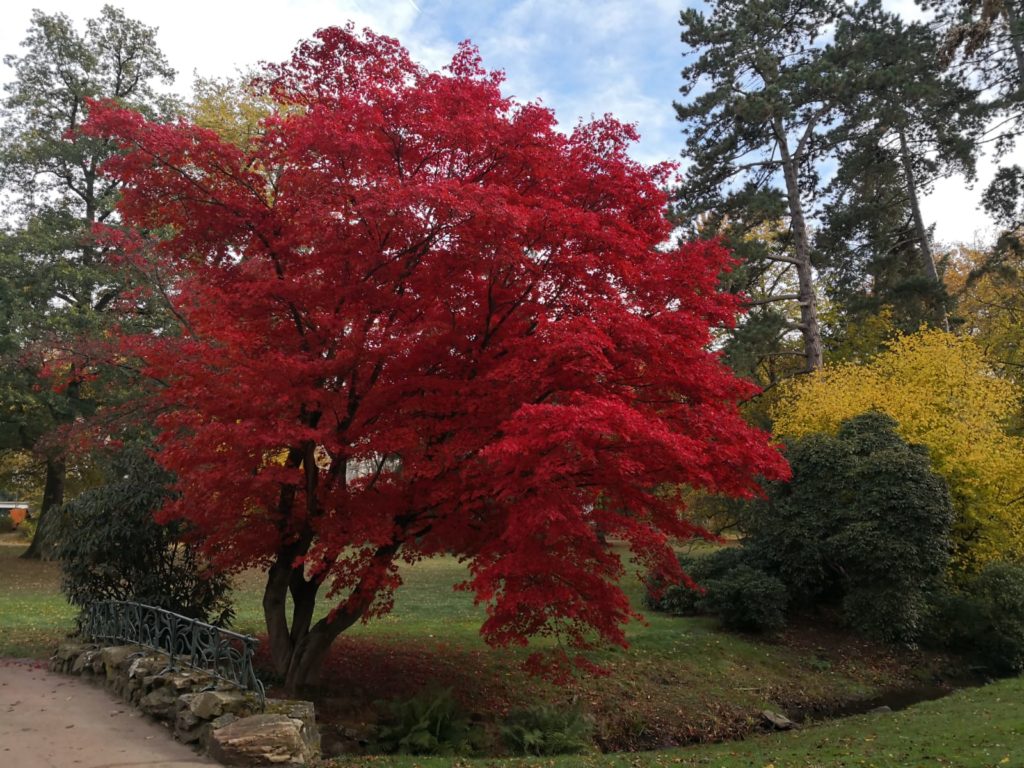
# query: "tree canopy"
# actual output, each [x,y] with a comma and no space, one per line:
[761,90]
[416,319]
[944,396]
[57,288]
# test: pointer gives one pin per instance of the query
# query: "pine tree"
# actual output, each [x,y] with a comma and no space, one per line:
[904,124]
[984,39]
[759,95]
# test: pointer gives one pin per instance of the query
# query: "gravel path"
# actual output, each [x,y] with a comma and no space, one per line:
[55,721]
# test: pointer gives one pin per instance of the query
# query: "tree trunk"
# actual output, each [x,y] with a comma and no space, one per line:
[43,543]
[298,649]
[809,327]
[927,259]
[303,675]
[1016,33]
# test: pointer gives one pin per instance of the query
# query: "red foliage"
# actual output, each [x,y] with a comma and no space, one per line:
[413,275]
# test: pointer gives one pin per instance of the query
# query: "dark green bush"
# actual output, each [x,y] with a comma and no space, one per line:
[674,599]
[111,548]
[864,524]
[682,600]
[547,730]
[430,723]
[747,599]
[984,619]
[733,587]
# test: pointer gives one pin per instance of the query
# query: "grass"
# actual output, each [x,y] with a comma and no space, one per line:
[974,728]
[34,616]
[680,681]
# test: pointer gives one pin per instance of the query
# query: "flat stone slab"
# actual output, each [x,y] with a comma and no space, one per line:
[260,740]
[54,721]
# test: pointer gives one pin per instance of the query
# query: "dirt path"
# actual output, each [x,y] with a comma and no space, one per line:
[54,721]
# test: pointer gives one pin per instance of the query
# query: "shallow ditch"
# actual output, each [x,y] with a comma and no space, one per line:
[892,700]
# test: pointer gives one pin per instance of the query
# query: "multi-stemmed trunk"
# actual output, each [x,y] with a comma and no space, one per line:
[299,647]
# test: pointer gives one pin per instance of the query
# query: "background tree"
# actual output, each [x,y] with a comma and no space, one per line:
[989,290]
[440,326]
[943,395]
[759,93]
[905,124]
[233,107]
[984,39]
[762,346]
[64,291]
[983,44]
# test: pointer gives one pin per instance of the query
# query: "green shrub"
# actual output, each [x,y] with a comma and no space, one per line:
[747,599]
[430,723]
[984,619]
[733,586]
[682,600]
[675,599]
[547,730]
[111,548]
[27,528]
[864,524]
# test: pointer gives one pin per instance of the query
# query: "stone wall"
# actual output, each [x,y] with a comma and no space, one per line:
[210,714]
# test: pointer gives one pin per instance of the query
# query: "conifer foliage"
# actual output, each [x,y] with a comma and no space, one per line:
[416,319]
[760,90]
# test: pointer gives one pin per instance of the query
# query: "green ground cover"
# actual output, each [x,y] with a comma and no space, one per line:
[34,616]
[680,681]
[974,728]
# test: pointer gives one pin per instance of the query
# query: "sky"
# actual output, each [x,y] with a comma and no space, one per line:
[578,57]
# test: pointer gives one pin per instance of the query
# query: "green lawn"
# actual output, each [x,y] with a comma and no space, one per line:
[974,728]
[33,614]
[681,680]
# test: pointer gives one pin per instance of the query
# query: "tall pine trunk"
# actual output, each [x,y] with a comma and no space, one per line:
[920,231]
[810,329]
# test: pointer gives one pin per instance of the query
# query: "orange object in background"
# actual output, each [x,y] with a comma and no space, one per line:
[18,515]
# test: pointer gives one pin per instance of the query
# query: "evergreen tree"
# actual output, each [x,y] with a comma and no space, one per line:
[904,124]
[759,95]
[64,290]
[984,39]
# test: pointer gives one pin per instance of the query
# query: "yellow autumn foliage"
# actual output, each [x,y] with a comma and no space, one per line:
[231,107]
[990,304]
[944,396]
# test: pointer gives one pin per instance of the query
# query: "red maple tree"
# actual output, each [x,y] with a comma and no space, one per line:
[417,319]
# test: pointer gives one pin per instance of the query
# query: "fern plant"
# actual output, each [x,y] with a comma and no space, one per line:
[430,723]
[543,730]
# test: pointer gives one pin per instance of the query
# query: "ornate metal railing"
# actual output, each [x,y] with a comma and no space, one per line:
[223,654]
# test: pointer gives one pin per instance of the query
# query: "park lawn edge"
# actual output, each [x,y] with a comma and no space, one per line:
[971,728]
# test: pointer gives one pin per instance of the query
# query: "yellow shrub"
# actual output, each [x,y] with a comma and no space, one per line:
[944,396]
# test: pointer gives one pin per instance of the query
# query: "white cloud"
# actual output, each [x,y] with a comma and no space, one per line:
[217,38]
[580,57]
[954,206]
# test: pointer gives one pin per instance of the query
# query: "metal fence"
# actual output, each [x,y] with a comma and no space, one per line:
[225,655]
